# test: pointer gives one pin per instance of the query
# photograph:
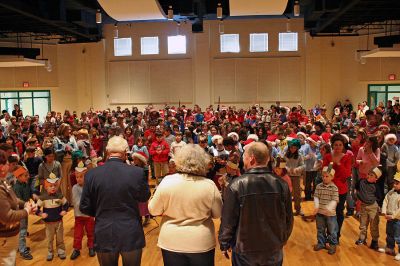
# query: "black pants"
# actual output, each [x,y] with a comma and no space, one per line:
[131,258]
[243,260]
[309,186]
[340,212]
[188,259]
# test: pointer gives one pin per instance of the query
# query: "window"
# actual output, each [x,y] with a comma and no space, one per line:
[382,94]
[258,42]
[30,102]
[177,44]
[123,47]
[230,43]
[149,45]
[288,41]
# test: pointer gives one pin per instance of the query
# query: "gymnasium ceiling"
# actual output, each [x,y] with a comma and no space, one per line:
[71,21]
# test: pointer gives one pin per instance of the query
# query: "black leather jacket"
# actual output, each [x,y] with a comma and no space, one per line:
[257,216]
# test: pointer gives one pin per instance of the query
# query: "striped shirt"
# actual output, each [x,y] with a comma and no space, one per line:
[326,194]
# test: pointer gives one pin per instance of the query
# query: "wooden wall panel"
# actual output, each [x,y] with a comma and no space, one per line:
[246,79]
[252,80]
[139,81]
[268,80]
[224,80]
[118,82]
[159,81]
[180,78]
[156,81]
[290,79]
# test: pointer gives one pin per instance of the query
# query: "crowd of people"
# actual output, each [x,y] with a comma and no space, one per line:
[205,164]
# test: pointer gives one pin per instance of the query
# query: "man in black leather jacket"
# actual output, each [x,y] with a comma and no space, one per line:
[257,217]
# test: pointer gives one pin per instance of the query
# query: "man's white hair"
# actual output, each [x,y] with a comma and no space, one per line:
[117,144]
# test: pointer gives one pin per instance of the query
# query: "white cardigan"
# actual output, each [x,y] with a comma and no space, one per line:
[187,204]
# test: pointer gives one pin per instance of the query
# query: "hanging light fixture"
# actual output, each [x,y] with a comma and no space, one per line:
[288,25]
[115,31]
[219,11]
[296,8]
[170,13]
[221,27]
[98,16]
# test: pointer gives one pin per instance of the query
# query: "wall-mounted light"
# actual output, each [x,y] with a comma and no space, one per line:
[296,8]
[170,13]
[219,11]
[98,16]
[115,31]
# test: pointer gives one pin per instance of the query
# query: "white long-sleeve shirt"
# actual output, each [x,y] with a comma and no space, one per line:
[391,204]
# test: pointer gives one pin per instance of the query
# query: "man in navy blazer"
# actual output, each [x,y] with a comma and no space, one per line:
[111,194]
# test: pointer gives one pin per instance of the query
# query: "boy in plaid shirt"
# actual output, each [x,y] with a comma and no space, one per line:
[326,197]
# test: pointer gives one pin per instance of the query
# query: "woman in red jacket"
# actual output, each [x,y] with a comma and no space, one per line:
[342,162]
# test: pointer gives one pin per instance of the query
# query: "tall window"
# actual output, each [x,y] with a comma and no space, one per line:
[149,45]
[123,47]
[177,44]
[230,43]
[30,102]
[258,42]
[288,41]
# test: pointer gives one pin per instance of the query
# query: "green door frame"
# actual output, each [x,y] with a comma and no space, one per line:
[375,92]
[18,98]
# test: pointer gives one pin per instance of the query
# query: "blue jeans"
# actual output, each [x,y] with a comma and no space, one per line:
[327,229]
[392,233]
[23,229]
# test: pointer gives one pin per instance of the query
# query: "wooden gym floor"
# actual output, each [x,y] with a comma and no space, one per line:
[298,250]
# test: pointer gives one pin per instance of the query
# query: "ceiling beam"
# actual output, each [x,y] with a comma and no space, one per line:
[336,16]
[48,22]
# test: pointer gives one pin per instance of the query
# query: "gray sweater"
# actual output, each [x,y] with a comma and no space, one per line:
[367,192]
[392,154]
[76,200]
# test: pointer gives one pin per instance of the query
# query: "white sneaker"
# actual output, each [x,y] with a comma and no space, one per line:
[381,250]
[397,257]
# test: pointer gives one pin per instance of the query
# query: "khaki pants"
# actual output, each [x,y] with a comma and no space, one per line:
[56,229]
[296,192]
[160,170]
[65,185]
[8,250]
[369,215]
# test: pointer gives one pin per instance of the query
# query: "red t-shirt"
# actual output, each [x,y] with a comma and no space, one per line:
[342,171]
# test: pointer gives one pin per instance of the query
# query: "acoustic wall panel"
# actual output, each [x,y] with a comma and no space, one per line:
[139,75]
[153,81]
[253,80]
[246,79]
[224,76]
[290,79]
[268,80]
[119,82]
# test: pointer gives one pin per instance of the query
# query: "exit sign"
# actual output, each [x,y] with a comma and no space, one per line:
[25,84]
[392,76]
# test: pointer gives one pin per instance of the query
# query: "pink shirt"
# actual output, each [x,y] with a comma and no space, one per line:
[369,161]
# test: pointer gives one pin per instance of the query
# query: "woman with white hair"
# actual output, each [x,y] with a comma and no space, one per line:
[188,202]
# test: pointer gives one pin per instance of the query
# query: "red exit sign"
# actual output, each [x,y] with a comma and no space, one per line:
[392,76]
[25,84]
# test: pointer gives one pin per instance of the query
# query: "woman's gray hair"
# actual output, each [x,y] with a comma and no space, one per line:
[117,144]
[192,159]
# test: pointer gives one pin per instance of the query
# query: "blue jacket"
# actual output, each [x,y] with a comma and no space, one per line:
[111,194]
